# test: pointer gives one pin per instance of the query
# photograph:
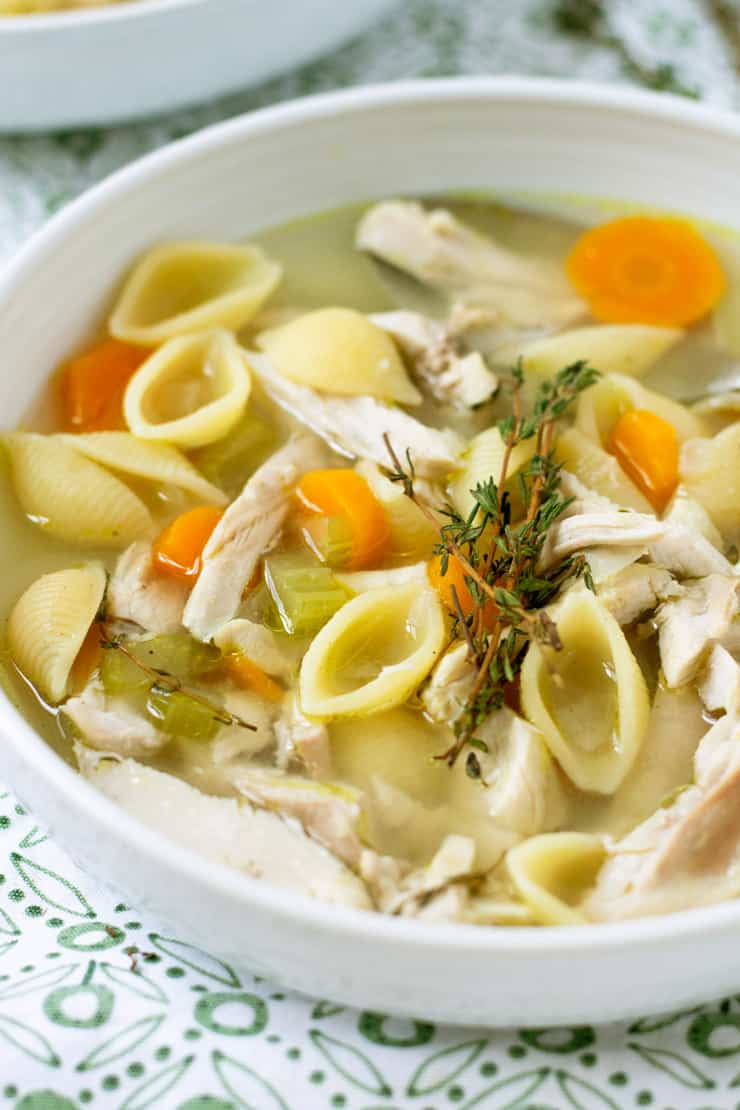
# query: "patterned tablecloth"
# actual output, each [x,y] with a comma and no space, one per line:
[101,1008]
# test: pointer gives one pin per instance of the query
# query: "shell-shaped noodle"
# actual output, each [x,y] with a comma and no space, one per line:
[373,653]
[412,536]
[49,622]
[612,348]
[552,872]
[192,391]
[156,462]
[483,460]
[599,470]
[710,472]
[600,407]
[184,287]
[589,700]
[71,497]
[340,351]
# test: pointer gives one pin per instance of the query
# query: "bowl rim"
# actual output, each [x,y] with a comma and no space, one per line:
[522,941]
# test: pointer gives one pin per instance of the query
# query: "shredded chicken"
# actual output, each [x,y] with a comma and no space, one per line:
[302,742]
[688,554]
[686,854]
[227,831]
[690,624]
[137,595]
[449,686]
[110,725]
[440,251]
[719,685]
[249,527]
[258,643]
[356,426]
[599,528]
[636,590]
[328,812]
[437,359]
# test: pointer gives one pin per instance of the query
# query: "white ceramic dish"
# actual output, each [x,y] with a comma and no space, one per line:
[227,182]
[105,65]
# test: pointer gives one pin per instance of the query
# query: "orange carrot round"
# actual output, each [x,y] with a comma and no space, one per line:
[344,493]
[454,577]
[646,447]
[177,551]
[93,386]
[646,270]
[244,672]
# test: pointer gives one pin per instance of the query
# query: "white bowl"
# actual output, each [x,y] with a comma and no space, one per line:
[227,182]
[104,65]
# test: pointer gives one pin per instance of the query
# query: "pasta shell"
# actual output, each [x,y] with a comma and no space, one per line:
[589,700]
[72,498]
[553,871]
[157,462]
[192,391]
[373,653]
[710,472]
[412,536]
[483,460]
[339,350]
[599,470]
[48,624]
[612,348]
[184,287]
[600,407]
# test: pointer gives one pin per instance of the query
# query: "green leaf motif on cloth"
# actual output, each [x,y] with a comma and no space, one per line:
[251,1018]
[439,1069]
[511,1092]
[194,958]
[582,1095]
[136,981]
[28,1040]
[354,1065]
[376,1028]
[249,1089]
[675,1065]
[120,1043]
[52,888]
[153,1090]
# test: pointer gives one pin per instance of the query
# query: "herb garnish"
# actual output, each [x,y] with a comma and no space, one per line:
[500,559]
[165,683]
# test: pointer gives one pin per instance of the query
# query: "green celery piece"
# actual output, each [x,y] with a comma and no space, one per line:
[330,538]
[177,654]
[177,714]
[120,675]
[229,462]
[305,595]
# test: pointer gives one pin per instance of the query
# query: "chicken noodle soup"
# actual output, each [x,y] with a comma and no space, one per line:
[392,559]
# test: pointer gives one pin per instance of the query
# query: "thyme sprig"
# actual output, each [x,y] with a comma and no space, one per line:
[500,558]
[165,683]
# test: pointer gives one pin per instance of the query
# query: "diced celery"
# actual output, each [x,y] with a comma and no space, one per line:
[230,461]
[180,715]
[304,594]
[330,538]
[120,675]
[178,654]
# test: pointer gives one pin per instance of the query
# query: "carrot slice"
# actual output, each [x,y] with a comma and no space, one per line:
[93,386]
[454,576]
[246,673]
[646,270]
[646,447]
[344,493]
[87,658]
[177,550]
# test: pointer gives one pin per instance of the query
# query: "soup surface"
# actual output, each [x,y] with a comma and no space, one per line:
[392,558]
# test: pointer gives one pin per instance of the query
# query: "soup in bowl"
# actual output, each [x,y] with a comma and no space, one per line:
[387,557]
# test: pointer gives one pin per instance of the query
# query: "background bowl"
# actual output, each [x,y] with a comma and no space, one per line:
[105,65]
[229,181]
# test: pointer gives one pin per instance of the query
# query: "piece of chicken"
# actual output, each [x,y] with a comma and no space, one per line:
[686,854]
[598,528]
[440,251]
[356,426]
[329,812]
[302,742]
[637,590]
[258,643]
[450,684]
[438,360]
[692,623]
[249,528]
[227,830]
[719,682]
[137,595]
[110,725]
